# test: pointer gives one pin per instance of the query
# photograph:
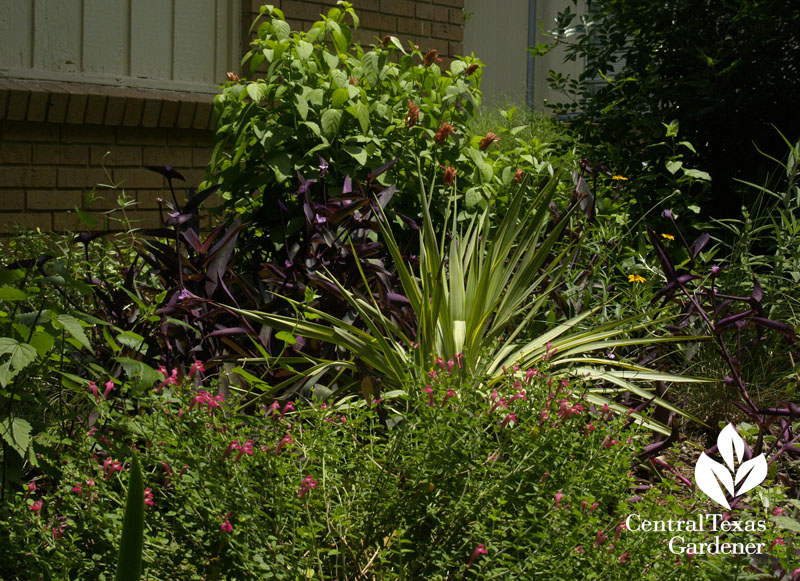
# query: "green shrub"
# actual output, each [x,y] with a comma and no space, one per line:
[414,486]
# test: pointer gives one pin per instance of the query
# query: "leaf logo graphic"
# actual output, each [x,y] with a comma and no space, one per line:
[709,474]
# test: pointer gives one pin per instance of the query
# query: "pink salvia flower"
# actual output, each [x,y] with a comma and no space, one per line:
[593,507]
[226,526]
[610,442]
[622,527]
[624,557]
[450,393]
[36,506]
[308,484]
[287,439]
[286,408]
[433,373]
[148,497]
[479,550]
[559,496]
[460,360]
[450,365]
[429,391]
[519,395]
[78,488]
[93,389]
[109,387]
[777,511]
[508,419]
[197,367]
[440,361]
[232,446]
[600,538]
[247,448]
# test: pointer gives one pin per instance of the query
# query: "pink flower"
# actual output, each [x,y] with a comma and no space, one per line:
[450,393]
[519,395]
[559,496]
[197,367]
[286,408]
[247,448]
[600,538]
[36,506]
[287,439]
[549,351]
[93,389]
[624,557]
[545,475]
[31,486]
[544,415]
[109,387]
[777,511]
[109,466]
[450,365]
[593,507]
[78,488]
[479,550]
[460,360]
[579,549]
[622,527]
[508,419]
[610,442]
[778,541]
[308,484]
[530,374]
[429,391]
[226,526]
[148,497]
[232,446]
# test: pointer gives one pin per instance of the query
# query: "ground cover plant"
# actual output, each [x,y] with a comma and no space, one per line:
[405,351]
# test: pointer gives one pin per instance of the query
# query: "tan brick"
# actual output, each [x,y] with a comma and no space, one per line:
[119,155]
[302,10]
[37,106]
[138,178]
[201,156]
[53,199]
[457,16]
[169,113]
[398,7]
[37,177]
[61,154]
[12,222]
[380,22]
[3,102]
[186,114]
[431,12]
[14,153]
[133,112]
[177,157]
[70,222]
[456,3]
[95,109]
[57,106]
[191,138]
[87,134]
[151,113]
[21,131]
[194,176]
[13,200]
[202,116]
[81,177]
[413,26]
[433,43]
[140,136]
[76,109]
[144,218]
[149,199]
[17,104]
[454,49]
[115,110]
[447,31]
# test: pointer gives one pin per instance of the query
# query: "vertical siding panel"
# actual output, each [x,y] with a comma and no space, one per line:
[16,33]
[105,36]
[57,35]
[151,39]
[194,40]
[222,26]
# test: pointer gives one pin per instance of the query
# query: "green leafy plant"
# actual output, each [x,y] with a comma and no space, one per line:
[129,562]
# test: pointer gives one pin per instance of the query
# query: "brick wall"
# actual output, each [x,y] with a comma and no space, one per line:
[431,24]
[54,136]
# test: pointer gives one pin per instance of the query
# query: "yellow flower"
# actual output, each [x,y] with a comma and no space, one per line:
[636,278]
[619,177]
[668,236]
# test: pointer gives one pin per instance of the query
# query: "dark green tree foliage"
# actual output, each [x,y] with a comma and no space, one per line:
[726,70]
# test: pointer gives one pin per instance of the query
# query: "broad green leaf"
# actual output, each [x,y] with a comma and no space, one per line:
[457,67]
[370,62]
[281,165]
[358,153]
[286,337]
[330,59]
[315,97]
[132,340]
[20,355]
[17,434]
[787,523]
[362,114]
[9,293]
[339,97]
[673,165]
[304,50]
[331,121]
[136,369]
[302,106]
[697,174]
[129,562]
[281,28]
[257,91]
[340,41]
[42,342]
[73,326]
